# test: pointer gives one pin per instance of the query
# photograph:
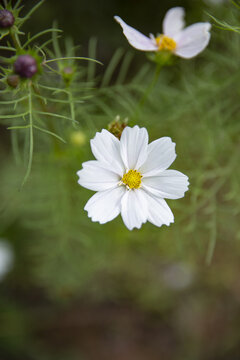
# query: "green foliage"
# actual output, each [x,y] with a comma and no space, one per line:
[33,106]
[194,102]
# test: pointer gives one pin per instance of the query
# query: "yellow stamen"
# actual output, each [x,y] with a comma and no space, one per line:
[132,179]
[165,43]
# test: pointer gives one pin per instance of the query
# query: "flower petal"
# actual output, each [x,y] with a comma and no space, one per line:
[135,38]
[106,148]
[134,208]
[170,184]
[133,146]
[192,40]
[173,21]
[159,213]
[161,154]
[95,176]
[105,205]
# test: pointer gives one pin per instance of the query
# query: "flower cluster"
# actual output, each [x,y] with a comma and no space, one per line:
[130,176]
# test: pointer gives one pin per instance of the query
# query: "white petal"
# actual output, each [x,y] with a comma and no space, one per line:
[105,205]
[134,209]
[192,40]
[6,258]
[170,184]
[135,38]
[159,213]
[106,148]
[133,146]
[161,154]
[95,176]
[173,21]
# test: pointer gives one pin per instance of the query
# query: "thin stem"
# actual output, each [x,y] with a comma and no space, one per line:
[148,91]
[72,110]
[30,135]
[52,88]
[55,115]
[40,98]
[45,110]
[213,235]
[56,100]
[15,39]
[40,34]
[72,58]
[8,48]
[151,86]
[15,146]
[49,133]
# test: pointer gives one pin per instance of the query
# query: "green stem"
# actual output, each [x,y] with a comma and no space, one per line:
[15,39]
[45,110]
[72,58]
[147,92]
[72,110]
[40,98]
[30,135]
[213,235]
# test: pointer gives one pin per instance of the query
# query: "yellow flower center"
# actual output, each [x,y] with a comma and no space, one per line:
[165,43]
[132,179]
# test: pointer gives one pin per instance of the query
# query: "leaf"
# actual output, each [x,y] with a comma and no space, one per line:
[55,115]
[112,67]
[73,58]
[223,25]
[14,116]
[18,127]
[30,157]
[34,37]
[23,20]
[50,133]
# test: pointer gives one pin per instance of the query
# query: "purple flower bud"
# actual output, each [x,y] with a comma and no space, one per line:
[25,66]
[6,19]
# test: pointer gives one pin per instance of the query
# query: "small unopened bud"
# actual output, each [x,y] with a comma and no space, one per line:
[6,19]
[13,80]
[25,66]
[67,74]
[117,126]
[68,70]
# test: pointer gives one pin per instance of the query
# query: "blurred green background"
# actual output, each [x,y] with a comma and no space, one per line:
[77,290]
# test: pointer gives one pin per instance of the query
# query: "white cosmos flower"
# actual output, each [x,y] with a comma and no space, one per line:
[130,178]
[185,43]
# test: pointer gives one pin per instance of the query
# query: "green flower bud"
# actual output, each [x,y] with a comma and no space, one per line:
[13,80]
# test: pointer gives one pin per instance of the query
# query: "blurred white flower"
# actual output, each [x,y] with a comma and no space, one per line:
[6,258]
[130,178]
[185,43]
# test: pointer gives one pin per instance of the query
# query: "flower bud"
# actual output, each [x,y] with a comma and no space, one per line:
[68,70]
[117,126]
[13,80]
[6,19]
[25,66]
[67,74]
